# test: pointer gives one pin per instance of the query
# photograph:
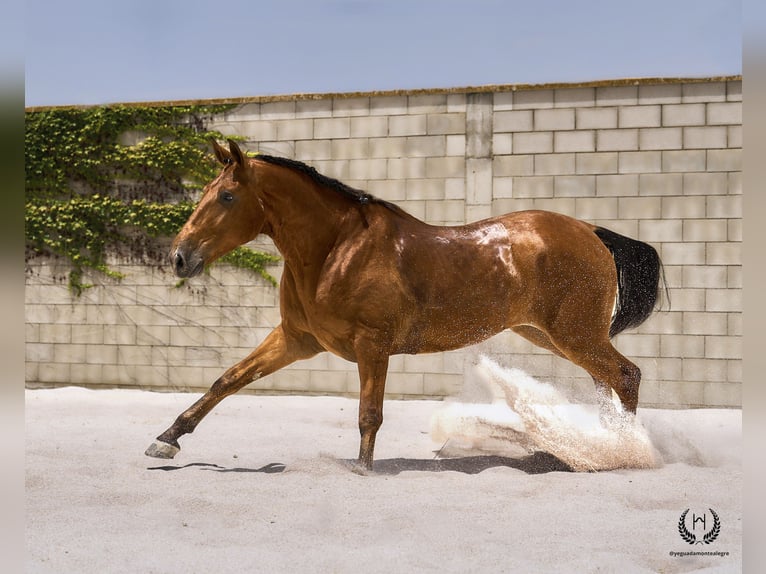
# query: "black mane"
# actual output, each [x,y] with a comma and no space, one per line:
[355,195]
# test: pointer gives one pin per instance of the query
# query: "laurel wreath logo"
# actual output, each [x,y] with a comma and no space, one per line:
[691,538]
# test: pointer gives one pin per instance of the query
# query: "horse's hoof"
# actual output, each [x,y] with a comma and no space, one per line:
[159,449]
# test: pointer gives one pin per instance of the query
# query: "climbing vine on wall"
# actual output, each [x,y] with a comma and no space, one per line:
[119,180]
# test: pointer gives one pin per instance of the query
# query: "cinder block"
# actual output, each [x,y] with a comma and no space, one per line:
[734,230]
[683,346]
[404,384]
[595,118]
[85,333]
[617,140]
[683,160]
[478,181]
[456,145]
[312,150]
[446,212]
[390,147]
[445,167]
[726,206]
[683,115]
[707,137]
[640,162]
[313,108]
[427,104]
[659,94]
[332,128]
[565,205]
[388,105]
[705,230]
[617,96]
[532,99]
[574,97]
[635,345]
[640,117]
[502,101]
[101,354]
[655,230]
[729,253]
[410,125]
[683,207]
[355,148]
[723,300]
[734,91]
[574,186]
[525,187]
[426,146]
[441,384]
[513,121]
[708,184]
[640,208]
[591,208]
[425,189]
[502,144]
[658,184]
[368,168]
[369,127]
[295,129]
[616,185]
[513,165]
[574,141]
[502,187]
[723,347]
[407,168]
[724,160]
[734,136]
[722,394]
[555,119]
[660,138]
[704,92]
[596,163]
[278,110]
[682,254]
[449,123]
[355,106]
[704,370]
[555,164]
[534,142]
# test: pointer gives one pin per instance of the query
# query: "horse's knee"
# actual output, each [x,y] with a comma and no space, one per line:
[370,421]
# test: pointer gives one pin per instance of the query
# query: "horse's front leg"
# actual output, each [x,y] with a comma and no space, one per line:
[276,351]
[372,378]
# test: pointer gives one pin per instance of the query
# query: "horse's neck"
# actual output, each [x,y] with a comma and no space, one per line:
[305,224]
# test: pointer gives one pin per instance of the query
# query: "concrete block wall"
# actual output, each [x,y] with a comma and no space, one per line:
[659,160]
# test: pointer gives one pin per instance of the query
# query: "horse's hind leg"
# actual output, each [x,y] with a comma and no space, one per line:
[276,351]
[609,369]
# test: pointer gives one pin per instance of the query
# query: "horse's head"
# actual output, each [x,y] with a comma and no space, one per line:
[228,215]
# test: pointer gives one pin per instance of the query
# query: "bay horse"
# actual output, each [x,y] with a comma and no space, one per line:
[365,280]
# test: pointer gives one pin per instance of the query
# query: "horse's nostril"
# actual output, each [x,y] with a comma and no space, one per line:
[178,261]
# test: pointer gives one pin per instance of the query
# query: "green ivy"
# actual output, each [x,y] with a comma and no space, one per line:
[117,179]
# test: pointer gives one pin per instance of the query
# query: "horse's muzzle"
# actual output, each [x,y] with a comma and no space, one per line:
[186,263]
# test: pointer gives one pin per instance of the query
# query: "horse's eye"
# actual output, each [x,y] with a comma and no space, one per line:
[225,196]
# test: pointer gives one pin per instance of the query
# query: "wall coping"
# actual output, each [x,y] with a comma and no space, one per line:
[489,88]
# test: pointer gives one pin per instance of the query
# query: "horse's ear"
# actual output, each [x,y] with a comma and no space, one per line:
[221,154]
[239,157]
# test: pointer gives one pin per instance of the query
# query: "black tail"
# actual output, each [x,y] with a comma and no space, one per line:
[639,271]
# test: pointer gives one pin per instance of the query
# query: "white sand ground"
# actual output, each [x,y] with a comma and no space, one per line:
[263,485]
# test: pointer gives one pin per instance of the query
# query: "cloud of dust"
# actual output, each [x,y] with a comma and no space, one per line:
[535,416]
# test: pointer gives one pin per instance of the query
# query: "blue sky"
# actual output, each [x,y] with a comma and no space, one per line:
[97,51]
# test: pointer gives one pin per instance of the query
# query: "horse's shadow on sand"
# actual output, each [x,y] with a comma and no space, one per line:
[536,463]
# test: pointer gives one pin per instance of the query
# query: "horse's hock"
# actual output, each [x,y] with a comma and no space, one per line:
[657,160]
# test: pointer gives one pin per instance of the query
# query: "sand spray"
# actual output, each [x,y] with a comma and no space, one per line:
[535,416]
